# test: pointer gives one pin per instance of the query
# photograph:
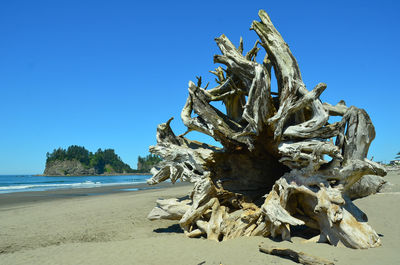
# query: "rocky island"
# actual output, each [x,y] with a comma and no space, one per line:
[78,161]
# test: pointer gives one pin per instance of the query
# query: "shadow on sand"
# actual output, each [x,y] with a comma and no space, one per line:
[175,228]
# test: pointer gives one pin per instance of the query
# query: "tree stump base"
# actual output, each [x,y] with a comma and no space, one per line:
[271,173]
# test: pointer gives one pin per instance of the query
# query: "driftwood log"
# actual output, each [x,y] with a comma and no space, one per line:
[296,256]
[282,163]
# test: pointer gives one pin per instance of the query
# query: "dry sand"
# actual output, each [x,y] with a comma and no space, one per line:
[72,228]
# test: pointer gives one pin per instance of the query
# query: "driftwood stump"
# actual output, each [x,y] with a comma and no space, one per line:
[272,172]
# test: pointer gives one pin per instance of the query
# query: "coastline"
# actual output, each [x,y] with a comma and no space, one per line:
[30,183]
[8,199]
[107,174]
[99,226]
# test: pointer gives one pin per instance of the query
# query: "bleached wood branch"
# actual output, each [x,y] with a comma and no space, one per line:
[298,257]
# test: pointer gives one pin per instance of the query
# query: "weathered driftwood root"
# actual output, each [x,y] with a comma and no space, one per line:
[298,257]
[271,173]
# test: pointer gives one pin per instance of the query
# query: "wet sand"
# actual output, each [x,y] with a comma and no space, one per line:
[108,226]
[8,199]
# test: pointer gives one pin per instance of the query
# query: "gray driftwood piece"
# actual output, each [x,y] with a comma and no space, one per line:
[298,257]
[367,185]
[271,173]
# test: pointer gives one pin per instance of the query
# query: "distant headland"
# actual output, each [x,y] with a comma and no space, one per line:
[78,161]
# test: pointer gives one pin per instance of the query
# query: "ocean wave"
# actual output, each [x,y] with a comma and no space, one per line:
[54,186]
[40,185]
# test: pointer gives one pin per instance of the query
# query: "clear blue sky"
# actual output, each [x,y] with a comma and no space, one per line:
[103,74]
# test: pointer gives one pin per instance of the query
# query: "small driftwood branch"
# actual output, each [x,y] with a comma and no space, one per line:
[298,257]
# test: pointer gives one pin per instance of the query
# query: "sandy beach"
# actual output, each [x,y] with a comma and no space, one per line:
[109,226]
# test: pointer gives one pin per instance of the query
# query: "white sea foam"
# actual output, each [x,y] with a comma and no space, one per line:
[33,186]
[42,186]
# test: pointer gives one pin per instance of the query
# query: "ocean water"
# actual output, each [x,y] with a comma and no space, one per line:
[23,183]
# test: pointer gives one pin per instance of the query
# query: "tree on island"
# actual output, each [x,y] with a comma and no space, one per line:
[98,160]
[144,164]
[102,161]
